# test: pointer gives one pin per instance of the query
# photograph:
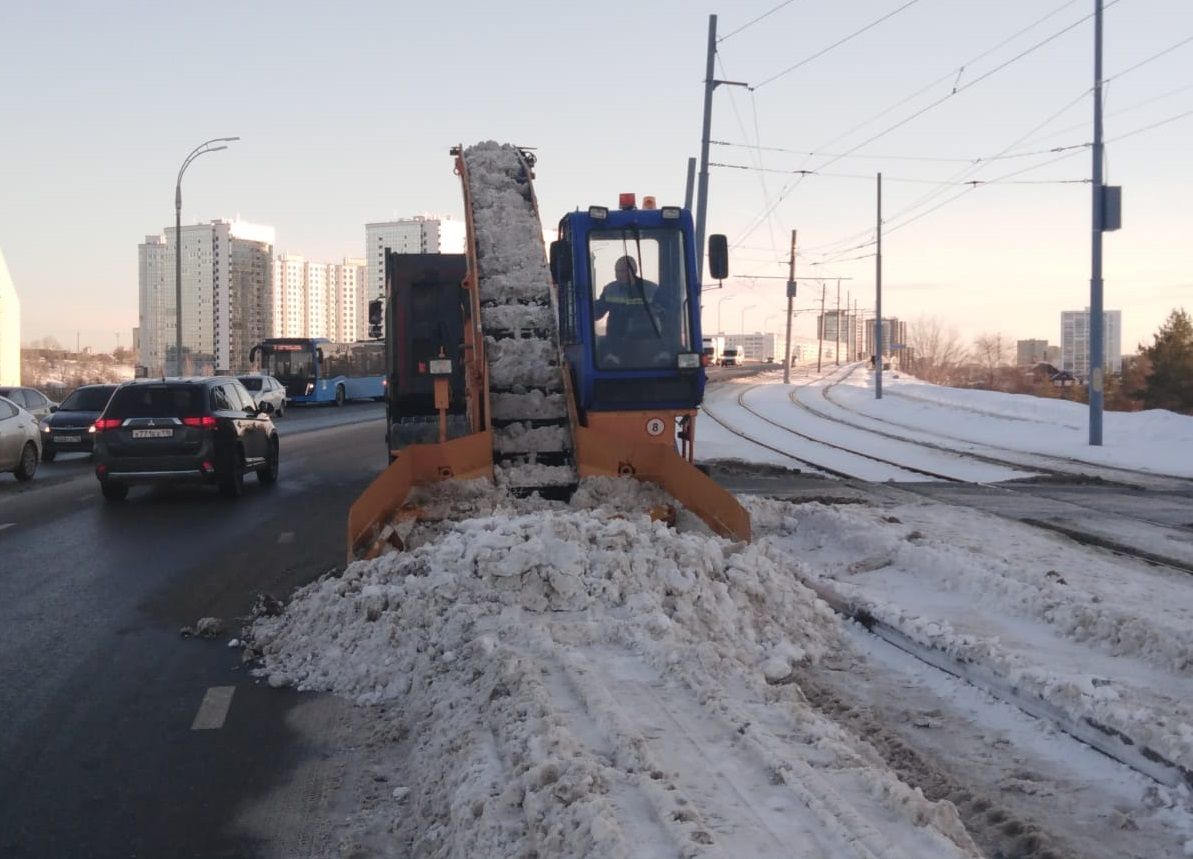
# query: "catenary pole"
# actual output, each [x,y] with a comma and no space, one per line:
[878,300]
[837,331]
[790,302]
[820,330]
[702,187]
[1096,316]
[689,185]
[710,84]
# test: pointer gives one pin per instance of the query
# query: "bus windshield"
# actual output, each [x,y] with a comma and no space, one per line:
[289,362]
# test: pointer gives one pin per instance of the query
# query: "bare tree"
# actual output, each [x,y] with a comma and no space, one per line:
[991,351]
[936,350]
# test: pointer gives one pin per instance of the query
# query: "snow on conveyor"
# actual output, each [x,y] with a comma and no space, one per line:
[580,681]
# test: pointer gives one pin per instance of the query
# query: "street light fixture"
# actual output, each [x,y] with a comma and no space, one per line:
[201,149]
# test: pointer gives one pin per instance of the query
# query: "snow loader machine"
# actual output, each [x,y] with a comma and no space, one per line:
[535,375]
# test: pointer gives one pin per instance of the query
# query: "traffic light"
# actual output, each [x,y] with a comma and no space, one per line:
[376,318]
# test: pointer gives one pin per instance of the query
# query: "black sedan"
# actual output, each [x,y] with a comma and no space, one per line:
[69,430]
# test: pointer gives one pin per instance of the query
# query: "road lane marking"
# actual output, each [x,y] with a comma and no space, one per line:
[7,525]
[214,708]
[286,537]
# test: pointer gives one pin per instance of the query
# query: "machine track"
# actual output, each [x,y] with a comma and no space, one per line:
[532,440]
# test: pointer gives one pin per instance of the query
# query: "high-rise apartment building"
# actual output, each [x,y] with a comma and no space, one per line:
[10,329]
[422,234]
[1031,352]
[227,291]
[318,299]
[894,337]
[1074,341]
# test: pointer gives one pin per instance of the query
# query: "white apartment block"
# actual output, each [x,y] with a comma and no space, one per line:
[1074,341]
[227,286]
[422,234]
[313,299]
[758,346]
[10,329]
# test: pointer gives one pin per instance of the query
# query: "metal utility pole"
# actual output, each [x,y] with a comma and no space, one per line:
[201,149]
[837,314]
[1096,324]
[710,84]
[690,184]
[878,301]
[820,330]
[790,301]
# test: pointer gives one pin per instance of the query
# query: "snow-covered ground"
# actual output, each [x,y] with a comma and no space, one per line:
[926,426]
[576,680]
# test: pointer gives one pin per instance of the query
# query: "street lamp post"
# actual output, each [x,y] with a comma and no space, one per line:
[743,316]
[201,149]
[721,301]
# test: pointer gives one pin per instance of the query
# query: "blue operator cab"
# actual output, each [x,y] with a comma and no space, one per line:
[629,306]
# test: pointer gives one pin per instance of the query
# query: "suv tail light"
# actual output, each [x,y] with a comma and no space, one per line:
[204,422]
[104,424]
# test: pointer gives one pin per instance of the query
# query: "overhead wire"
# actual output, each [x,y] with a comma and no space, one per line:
[905,179]
[835,45]
[944,186]
[754,21]
[874,157]
[955,91]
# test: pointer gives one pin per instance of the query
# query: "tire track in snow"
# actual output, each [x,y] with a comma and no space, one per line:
[711,784]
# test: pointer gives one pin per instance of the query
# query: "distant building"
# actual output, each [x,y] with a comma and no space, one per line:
[758,346]
[1031,352]
[1074,341]
[894,337]
[313,299]
[843,329]
[1052,355]
[227,296]
[10,328]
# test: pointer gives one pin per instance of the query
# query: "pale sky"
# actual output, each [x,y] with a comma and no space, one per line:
[346,113]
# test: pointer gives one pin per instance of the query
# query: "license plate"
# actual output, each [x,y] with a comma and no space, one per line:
[68,439]
[153,433]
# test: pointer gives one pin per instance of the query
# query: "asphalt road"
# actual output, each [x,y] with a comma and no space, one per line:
[99,693]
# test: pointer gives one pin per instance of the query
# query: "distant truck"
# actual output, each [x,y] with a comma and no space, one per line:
[714,350]
[731,357]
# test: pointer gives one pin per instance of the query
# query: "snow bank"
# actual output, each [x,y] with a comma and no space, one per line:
[560,667]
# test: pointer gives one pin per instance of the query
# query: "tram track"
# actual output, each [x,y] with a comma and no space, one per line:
[1085,537]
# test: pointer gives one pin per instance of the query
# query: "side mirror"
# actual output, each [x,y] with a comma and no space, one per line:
[253,353]
[561,261]
[319,354]
[265,408]
[53,409]
[718,256]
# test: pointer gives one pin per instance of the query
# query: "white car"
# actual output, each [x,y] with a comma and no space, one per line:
[266,390]
[20,444]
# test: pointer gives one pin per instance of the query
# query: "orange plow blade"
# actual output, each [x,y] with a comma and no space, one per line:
[371,515]
[609,455]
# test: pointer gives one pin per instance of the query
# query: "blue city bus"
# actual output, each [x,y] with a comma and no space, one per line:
[316,370]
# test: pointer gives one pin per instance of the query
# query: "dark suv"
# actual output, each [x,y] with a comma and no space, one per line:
[173,430]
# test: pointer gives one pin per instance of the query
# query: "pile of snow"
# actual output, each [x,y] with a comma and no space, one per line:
[566,672]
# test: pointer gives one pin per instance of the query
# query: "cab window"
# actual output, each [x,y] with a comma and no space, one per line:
[639,302]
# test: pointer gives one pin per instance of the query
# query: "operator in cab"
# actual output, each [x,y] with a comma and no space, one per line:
[634,332]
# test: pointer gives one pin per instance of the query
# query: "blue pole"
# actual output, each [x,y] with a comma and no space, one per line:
[1096,322]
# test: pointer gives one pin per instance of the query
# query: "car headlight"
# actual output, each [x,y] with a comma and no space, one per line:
[310,387]
[45,427]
